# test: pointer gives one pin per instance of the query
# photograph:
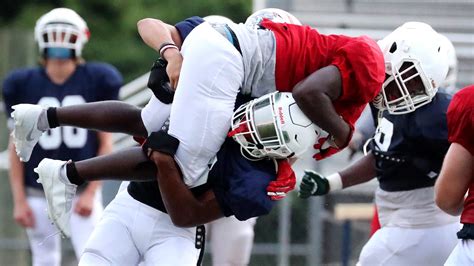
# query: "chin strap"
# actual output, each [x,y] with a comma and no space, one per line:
[242,128]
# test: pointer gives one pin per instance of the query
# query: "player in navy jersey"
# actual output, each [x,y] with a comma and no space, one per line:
[62,79]
[407,151]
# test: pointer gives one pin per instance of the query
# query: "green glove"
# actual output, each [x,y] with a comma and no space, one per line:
[313,184]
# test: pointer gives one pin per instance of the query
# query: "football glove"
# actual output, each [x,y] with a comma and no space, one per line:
[159,82]
[284,183]
[313,184]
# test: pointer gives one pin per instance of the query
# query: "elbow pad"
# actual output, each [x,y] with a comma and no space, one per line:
[162,142]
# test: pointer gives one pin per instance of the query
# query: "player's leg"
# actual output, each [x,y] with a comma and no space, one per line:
[231,241]
[167,244]
[111,242]
[154,114]
[30,121]
[82,227]
[45,242]
[406,246]
[211,75]
[60,179]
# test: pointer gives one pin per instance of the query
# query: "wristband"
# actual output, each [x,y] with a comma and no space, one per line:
[335,182]
[166,46]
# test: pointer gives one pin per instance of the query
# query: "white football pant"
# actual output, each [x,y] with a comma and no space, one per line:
[409,246]
[45,239]
[231,241]
[200,116]
[130,232]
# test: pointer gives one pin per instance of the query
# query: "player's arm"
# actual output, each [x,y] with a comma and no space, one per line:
[183,207]
[161,37]
[315,184]
[110,116]
[314,95]
[454,179]
[22,212]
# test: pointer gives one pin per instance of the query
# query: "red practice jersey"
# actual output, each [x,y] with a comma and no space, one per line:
[301,50]
[461,130]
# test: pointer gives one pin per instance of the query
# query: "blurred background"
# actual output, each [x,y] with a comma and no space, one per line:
[319,231]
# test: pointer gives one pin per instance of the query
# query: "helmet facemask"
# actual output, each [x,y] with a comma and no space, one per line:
[256,130]
[60,35]
[406,87]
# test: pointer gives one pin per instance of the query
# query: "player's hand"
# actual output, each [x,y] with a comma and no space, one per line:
[175,61]
[284,183]
[323,149]
[85,204]
[313,184]
[23,214]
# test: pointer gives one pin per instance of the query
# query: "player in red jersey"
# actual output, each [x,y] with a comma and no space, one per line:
[457,175]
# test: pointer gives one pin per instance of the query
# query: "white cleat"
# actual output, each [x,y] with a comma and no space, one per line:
[26,133]
[59,193]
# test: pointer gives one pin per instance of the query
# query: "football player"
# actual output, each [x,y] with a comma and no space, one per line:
[407,151]
[365,127]
[63,78]
[457,174]
[337,93]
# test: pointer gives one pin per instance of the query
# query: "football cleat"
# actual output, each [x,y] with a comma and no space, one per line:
[59,192]
[26,133]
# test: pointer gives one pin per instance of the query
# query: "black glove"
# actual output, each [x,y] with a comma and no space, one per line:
[159,82]
[313,184]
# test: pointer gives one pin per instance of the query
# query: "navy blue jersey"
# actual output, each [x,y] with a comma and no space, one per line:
[410,148]
[239,184]
[89,83]
[186,26]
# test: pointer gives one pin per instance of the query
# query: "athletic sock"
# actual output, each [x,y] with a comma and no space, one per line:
[72,174]
[52,118]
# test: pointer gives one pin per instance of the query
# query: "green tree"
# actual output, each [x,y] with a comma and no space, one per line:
[112,23]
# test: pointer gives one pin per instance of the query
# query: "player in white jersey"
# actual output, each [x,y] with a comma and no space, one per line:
[406,156]
[231,240]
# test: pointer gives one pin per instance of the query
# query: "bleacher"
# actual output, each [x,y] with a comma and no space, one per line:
[377,18]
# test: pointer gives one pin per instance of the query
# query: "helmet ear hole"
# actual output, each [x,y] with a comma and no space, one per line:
[393,48]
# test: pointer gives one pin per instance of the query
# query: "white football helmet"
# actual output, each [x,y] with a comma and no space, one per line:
[274,14]
[449,83]
[217,19]
[416,64]
[273,126]
[61,28]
